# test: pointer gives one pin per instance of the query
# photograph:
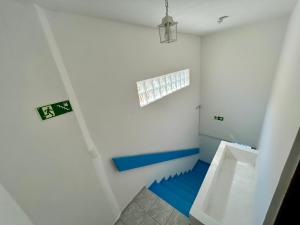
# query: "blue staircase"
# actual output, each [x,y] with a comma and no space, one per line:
[181,190]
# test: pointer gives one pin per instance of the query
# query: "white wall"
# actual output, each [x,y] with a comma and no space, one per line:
[282,120]
[10,211]
[285,179]
[104,60]
[237,70]
[44,165]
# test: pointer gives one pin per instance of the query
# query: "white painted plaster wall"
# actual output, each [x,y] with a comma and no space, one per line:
[91,147]
[10,211]
[282,120]
[237,71]
[104,60]
[44,165]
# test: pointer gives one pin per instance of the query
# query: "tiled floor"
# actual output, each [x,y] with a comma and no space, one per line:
[148,209]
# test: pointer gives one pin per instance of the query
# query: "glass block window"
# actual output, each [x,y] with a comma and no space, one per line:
[155,88]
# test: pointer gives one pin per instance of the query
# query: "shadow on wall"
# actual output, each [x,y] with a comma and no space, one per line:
[209,147]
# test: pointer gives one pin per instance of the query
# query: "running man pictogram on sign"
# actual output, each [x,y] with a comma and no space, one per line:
[53,110]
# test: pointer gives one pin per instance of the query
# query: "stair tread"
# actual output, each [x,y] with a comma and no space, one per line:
[181,192]
[189,181]
[193,189]
[184,185]
[173,199]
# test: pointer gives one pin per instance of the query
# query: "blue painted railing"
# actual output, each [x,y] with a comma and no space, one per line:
[130,162]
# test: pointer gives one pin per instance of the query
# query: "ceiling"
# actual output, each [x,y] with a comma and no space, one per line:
[194,16]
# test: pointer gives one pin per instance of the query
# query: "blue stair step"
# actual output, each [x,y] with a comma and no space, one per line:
[184,186]
[201,168]
[177,190]
[181,190]
[180,204]
[191,181]
[189,186]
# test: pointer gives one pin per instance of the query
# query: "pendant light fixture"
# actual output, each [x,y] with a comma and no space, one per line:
[167,28]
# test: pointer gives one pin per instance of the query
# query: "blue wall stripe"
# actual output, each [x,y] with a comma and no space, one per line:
[130,162]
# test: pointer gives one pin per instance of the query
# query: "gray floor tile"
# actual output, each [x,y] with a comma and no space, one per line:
[145,199]
[177,218]
[119,222]
[160,211]
[133,214]
[149,221]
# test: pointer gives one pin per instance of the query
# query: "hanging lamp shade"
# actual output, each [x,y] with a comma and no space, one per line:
[167,28]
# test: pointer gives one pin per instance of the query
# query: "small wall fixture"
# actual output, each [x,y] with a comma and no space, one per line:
[222,18]
[167,28]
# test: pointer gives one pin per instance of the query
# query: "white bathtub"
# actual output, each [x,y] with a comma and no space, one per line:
[226,194]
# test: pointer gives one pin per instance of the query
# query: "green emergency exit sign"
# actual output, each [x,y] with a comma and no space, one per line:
[53,110]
